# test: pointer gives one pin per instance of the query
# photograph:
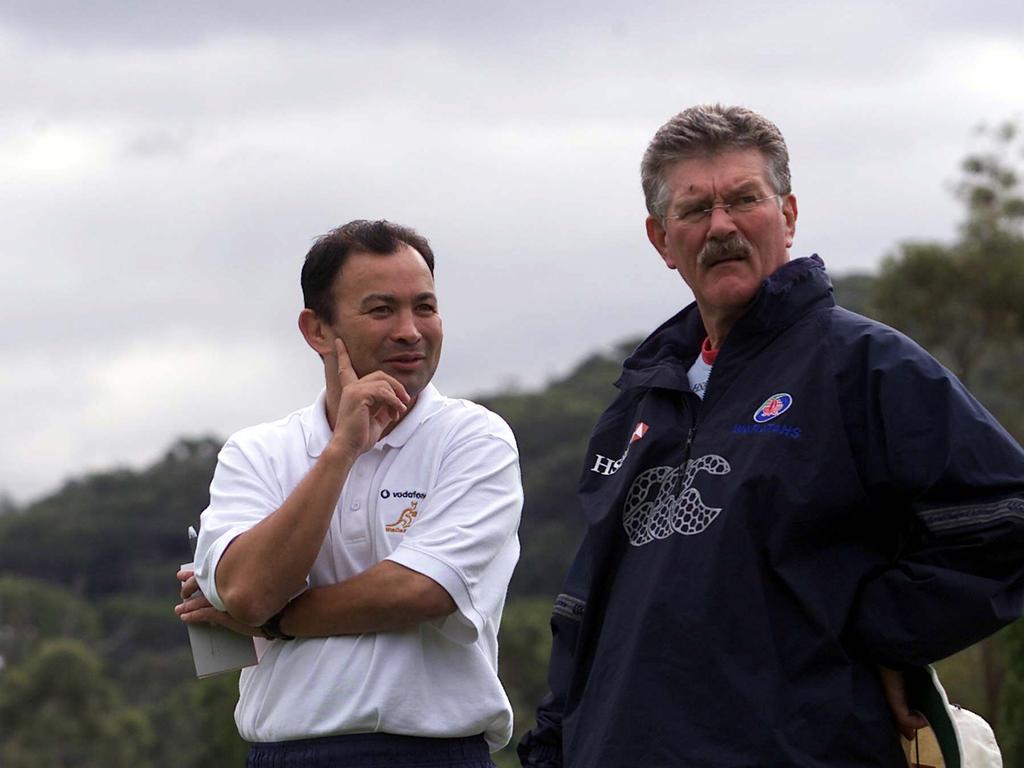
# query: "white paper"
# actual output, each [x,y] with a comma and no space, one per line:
[216,649]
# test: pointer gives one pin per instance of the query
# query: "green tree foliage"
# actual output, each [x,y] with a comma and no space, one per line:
[990,186]
[198,724]
[1011,724]
[58,709]
[33,611]
[119,531]
[137,622]
[7,504]
[855,292]
[552,428]
[965,301]
[525,644]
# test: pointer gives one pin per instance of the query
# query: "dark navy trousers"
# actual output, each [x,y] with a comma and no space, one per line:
[371,750]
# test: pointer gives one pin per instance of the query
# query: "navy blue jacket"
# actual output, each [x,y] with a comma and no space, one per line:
[838,500]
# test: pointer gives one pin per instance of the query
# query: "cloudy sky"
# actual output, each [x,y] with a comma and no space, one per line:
[165,166]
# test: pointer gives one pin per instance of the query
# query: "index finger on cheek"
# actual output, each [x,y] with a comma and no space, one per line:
[346,373]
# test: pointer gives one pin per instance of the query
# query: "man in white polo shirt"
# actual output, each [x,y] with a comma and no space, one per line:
[369,537]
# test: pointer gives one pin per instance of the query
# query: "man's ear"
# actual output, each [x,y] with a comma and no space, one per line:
[317,332]
[656,234]
[789,210]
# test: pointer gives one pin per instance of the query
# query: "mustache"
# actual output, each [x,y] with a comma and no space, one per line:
[735,246]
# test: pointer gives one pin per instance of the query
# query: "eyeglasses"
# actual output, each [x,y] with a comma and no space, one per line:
[739,204]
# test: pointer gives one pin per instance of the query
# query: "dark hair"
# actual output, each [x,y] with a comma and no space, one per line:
[329,253]
[707,129]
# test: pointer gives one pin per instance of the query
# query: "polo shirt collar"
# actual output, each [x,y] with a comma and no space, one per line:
[315,429]
[429,402]
[317,432]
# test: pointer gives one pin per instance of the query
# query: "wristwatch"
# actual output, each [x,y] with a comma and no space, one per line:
[271,628]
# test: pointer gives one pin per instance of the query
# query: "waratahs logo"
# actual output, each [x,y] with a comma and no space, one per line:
[776,405]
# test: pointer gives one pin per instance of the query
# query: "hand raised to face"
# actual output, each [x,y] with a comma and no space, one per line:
[369,405]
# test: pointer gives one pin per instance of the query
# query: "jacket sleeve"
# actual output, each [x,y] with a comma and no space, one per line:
[541,747]
[950,480]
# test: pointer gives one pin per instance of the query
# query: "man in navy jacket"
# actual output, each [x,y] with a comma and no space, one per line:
[787,503]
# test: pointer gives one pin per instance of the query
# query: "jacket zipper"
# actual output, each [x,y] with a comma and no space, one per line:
[690,434]
[689,442]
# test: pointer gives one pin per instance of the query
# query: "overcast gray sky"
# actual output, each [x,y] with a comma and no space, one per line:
[165,166]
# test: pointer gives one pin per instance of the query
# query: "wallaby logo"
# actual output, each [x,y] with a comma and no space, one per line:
[663,501]
[401,525]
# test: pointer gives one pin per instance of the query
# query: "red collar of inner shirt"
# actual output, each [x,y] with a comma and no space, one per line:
[707,354]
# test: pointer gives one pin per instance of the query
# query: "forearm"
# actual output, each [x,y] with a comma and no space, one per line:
[265,566]
[385,598]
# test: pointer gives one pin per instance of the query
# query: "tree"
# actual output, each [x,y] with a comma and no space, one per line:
[525,643]
[114,531]
[1011,724]
[7,504]
[965,301]
[552,428]
[33,611]
[198,725]
[990,186]
[59,710]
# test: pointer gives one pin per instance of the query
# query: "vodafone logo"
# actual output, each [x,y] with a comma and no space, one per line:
[387,494]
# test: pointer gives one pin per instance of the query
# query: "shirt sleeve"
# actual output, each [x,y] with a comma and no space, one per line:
[240,497]
[953,478]
[465,536]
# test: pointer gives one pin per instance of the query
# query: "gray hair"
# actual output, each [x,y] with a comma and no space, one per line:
[707,129]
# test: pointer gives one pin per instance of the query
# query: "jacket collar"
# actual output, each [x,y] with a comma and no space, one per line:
[664,357]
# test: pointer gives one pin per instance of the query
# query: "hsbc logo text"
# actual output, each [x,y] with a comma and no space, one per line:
[606,466]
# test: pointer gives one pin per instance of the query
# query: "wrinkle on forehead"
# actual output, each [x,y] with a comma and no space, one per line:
[744,184]
[721,172]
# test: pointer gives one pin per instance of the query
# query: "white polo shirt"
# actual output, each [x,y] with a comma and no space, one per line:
[442,495]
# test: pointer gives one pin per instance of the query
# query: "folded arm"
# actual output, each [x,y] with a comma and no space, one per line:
[385,598]
[267,563]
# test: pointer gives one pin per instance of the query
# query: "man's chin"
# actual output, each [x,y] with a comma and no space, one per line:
[728,289]
[414,383]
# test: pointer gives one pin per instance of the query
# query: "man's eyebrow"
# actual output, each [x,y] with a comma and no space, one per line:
[691,195]
[378,298]
[391,300]
[748,185]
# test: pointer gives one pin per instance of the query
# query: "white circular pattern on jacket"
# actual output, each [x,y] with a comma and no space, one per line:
[676,507]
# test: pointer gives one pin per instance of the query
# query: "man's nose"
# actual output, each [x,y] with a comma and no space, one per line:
[720,222]
[405,328]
